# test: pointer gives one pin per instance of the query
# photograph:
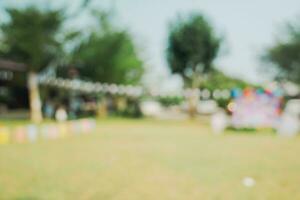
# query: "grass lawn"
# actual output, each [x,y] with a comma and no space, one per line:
[145,159]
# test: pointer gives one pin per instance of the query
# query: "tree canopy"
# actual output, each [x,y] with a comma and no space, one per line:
[284,55]
[108,55]
[192,47]
[30,36]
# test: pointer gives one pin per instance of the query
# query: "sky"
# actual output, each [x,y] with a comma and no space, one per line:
[248,27]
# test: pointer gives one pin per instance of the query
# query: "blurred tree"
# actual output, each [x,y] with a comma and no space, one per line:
[30,37]
[108,55]
[285,56]
[192,47]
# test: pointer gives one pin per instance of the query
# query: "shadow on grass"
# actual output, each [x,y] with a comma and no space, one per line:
[252,131]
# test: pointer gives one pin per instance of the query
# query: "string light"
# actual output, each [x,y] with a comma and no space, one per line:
[205,94]
[128,90]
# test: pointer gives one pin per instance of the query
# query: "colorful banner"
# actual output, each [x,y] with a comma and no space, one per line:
[19,136]
[4,135]
[255,108]
[33,133]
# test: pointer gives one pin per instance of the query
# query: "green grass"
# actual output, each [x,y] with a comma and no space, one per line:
[145,159]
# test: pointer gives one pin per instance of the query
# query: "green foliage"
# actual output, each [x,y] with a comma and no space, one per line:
[132,109]
[285,56]
[218,80]
[223,103]
[30,37]
[170,101]
[108,55]
[192,47]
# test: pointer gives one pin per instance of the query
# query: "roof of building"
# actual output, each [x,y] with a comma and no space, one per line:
[12,66]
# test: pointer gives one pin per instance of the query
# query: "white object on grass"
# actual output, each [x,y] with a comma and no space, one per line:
[248,182]
[219,122]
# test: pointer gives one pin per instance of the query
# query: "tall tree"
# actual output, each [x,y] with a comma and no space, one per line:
[285,55]
[192,48]
[30,37]
[108,55]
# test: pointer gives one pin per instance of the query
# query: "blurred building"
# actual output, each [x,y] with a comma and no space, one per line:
[13,92]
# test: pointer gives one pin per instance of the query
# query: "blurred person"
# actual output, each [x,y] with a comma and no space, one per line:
[289,123]
[49,109]
[61,114]
[75,107]
[219,122]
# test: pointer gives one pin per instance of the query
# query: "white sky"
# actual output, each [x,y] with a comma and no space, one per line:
[248,26]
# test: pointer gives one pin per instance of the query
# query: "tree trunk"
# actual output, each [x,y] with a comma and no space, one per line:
[34,98]
[193,103]
[102,108]
[193,98]
[121,104]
